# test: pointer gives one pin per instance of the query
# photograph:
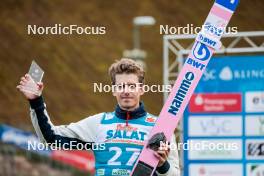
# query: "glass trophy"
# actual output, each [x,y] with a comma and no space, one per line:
[35,76]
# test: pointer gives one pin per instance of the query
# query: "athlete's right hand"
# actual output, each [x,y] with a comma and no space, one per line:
[29,88]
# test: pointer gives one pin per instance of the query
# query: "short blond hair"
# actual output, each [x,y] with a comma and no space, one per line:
[128,66]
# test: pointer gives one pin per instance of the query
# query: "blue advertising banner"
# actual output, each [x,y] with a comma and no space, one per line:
[224,121]
[22,139]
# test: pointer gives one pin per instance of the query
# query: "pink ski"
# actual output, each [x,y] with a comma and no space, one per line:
[206,42]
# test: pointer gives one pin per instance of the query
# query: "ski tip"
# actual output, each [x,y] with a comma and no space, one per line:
[229,4]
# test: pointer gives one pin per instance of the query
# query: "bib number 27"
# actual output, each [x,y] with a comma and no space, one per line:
[114,161]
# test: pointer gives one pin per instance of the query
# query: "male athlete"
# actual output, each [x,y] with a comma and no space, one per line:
[122,132]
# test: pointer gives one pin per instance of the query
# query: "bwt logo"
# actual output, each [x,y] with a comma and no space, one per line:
[207,40]
[200,52]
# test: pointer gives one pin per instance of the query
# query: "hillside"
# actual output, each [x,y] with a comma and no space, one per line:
[72,63]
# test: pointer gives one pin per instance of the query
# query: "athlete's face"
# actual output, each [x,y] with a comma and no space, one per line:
[128,91]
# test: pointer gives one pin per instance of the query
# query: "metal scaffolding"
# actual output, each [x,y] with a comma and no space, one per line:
[176,47]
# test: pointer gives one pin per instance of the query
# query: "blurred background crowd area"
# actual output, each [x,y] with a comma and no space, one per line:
[16,162]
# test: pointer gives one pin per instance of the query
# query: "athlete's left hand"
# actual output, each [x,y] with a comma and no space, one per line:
[162,154]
